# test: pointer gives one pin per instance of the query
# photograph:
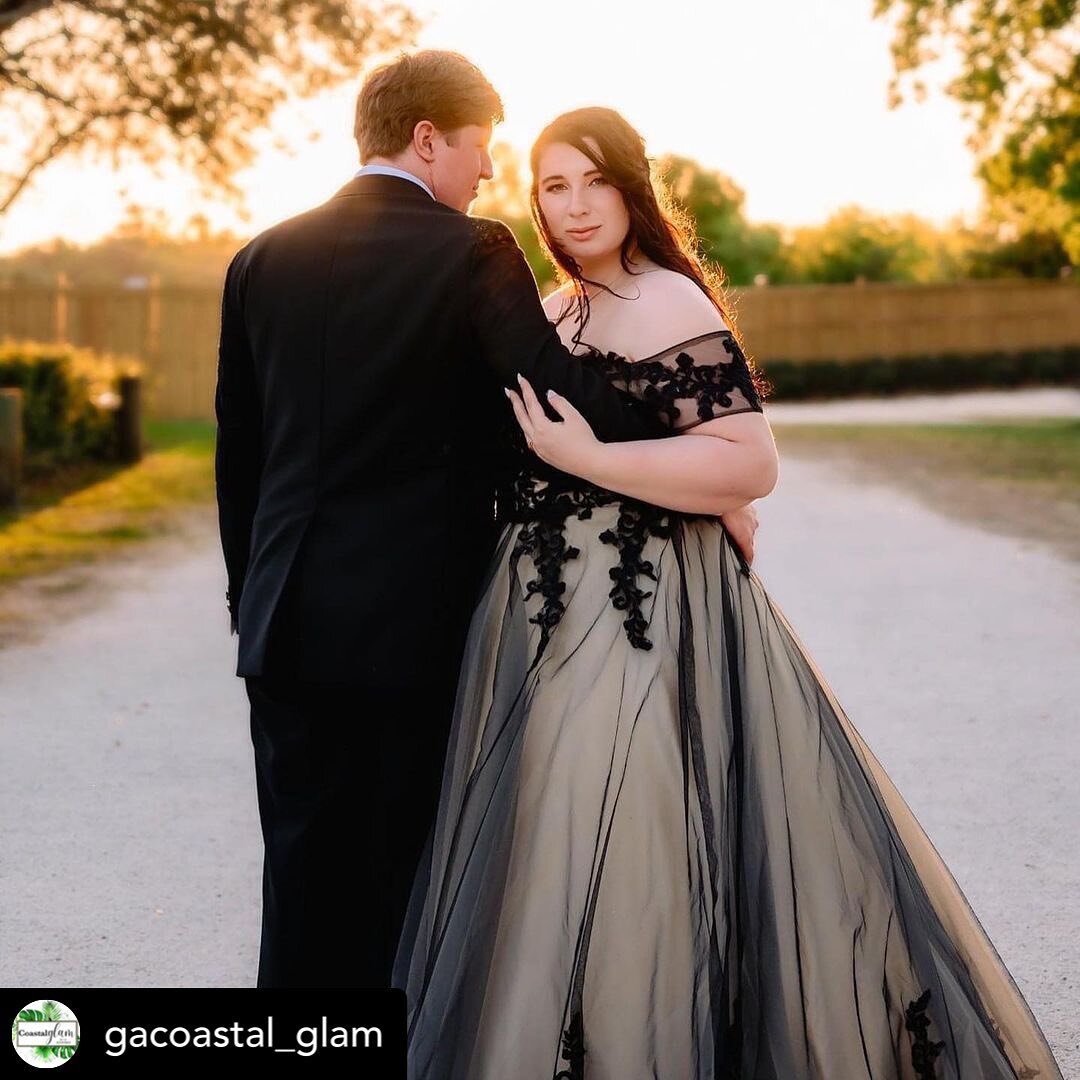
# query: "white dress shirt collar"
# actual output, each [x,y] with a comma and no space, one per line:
[389,170]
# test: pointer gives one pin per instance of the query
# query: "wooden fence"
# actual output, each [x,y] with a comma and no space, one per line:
[174,331]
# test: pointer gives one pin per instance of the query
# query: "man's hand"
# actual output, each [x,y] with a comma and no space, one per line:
[741,524]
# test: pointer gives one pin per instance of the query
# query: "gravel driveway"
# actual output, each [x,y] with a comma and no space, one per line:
[951,408]
[128,821]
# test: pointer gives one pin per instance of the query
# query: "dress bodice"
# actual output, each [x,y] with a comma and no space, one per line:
[688,383]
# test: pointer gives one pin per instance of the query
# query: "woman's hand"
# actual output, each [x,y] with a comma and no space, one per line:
[741,525]
[569,445]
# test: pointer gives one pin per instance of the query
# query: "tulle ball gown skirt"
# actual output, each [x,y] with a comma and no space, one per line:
[662,849]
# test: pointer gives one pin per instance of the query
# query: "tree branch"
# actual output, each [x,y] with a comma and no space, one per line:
[11,11]
[58,144]
[113,75]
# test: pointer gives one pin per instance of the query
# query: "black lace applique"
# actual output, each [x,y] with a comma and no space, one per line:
[573,1050]
[542,498]
[489,233]
[923,1051]
[545,542]
[543,512]
[636,521]
[664,383]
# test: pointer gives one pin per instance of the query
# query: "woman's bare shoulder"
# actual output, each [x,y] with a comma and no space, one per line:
[671,287]
[672,309]
[558,299]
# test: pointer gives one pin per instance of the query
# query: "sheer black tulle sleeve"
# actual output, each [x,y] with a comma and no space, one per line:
[691,382]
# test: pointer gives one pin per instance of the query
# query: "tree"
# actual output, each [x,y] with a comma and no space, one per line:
[506,197]
[141,246]
[715,204]
[855,244]
[1020,80]
[182,80]
[1016,237]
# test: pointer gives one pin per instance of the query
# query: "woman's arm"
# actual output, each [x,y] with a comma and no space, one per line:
[718,468]
[697,472]
[720,465]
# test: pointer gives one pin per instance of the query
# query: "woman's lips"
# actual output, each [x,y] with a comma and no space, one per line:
[582,234]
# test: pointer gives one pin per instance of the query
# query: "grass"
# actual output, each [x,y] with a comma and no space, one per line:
[1019,478]
[81,512]
[1042,451]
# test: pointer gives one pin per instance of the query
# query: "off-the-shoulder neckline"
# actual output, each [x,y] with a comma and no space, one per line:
[679,345]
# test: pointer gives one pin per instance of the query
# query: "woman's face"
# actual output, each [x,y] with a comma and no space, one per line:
[584,213]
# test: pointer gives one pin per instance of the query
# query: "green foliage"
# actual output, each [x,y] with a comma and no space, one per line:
[800,379]
[1036,253]
[1020,79]
[62,418]
[852,244]
[183,82]
[49,1012]
[726,239]
[542,267]
[856,245]
[506,197]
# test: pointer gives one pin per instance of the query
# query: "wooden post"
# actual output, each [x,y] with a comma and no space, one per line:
[151,347]
[60,311]
[11,445]
[129,419]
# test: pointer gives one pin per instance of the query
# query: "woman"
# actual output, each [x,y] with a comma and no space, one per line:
[662,850]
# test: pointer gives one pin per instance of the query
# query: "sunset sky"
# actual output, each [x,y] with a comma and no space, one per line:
[787,97]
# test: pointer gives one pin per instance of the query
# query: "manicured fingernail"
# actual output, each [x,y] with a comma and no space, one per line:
[551,393]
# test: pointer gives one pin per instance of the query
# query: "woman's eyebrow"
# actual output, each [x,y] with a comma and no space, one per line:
[558,176]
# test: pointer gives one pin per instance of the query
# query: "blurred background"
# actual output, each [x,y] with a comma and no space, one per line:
[891,190]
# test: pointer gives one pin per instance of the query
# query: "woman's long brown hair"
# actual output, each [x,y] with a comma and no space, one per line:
[659,228]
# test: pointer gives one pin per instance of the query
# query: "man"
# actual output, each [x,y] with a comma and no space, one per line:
[365,346]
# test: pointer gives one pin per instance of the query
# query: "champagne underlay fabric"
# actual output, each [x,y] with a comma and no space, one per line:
[662,850]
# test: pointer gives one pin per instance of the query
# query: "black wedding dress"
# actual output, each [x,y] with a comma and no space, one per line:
[662,850]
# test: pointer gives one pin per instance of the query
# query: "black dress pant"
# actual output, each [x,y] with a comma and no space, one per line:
[348,781]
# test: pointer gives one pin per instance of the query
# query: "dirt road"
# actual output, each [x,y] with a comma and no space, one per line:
[128,821]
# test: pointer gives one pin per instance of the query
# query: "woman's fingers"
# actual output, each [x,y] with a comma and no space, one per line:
[532,402]
[563,406]
[522,415]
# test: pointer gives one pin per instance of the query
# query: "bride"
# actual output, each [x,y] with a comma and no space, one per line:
[662,850]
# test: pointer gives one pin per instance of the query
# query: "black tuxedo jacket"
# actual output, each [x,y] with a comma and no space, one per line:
[360,419]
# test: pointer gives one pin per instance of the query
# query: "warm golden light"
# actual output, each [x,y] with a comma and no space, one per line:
[788,99]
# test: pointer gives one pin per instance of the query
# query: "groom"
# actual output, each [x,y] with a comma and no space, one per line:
[364,349]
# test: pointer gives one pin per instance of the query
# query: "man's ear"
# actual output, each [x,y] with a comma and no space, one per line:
[423,140]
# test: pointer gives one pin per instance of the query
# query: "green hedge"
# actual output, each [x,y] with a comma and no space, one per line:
[65,414]
[793,380]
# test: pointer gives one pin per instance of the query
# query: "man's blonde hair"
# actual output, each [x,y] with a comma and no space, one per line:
[433,84]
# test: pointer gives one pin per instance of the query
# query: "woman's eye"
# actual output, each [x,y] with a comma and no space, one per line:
[599,180]
[555,187]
